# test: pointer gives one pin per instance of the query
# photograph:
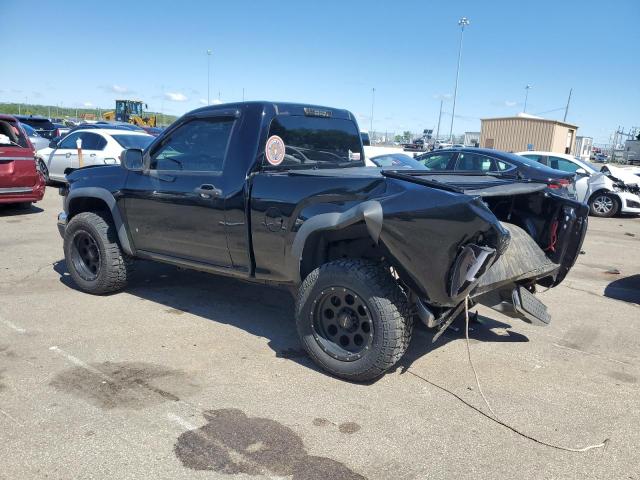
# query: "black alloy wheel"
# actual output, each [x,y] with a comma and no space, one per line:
[85,255]
[341,324]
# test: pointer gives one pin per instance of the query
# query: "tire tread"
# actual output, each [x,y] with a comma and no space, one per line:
[389,301]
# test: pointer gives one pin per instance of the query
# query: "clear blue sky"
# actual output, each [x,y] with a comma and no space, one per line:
[333,53]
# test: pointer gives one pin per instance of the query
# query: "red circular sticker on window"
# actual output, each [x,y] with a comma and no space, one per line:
[275,150]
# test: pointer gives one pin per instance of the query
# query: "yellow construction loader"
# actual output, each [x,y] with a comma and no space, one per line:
[130,111]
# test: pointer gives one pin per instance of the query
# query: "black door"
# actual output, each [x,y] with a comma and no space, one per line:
[175,206]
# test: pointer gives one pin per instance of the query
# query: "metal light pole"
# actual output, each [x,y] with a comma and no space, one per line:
[373,97]
[439,118]
[463,22]
[526,97]
[209,52]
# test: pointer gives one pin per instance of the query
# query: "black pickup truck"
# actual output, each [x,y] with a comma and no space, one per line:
[278,193]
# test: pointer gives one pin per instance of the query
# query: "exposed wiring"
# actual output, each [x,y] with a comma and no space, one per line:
[494,417]
[553,237]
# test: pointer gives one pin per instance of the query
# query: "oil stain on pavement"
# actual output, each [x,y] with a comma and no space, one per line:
[233,443]
[129,385]
[346,428]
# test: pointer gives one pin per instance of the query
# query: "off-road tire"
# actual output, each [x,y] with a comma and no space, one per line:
[387,307]
[114,266]
[596,212]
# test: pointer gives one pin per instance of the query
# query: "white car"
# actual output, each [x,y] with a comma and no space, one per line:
[608,191]
[99,147]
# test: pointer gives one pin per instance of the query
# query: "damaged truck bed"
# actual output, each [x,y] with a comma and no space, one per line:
[278,193]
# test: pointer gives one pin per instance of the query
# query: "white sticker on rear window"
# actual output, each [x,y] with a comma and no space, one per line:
[274,150]
[354,155]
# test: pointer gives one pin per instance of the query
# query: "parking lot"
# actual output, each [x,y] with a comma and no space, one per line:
[187,375]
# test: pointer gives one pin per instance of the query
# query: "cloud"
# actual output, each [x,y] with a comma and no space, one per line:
[37,94]
[115,89]
[216,101]
[175,97]
[443,96]
[202,101]
[504,103]
[87,104]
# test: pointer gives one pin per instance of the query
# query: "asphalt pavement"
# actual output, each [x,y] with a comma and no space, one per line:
[188,375]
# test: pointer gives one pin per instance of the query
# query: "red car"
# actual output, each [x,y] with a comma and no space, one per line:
[20,181]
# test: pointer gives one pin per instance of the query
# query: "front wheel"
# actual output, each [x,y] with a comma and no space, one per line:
[92,254]
[353,318]
[604,205]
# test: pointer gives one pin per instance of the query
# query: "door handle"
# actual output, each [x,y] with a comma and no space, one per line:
[208,191]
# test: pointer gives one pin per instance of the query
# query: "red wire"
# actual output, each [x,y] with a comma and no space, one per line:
[554,237]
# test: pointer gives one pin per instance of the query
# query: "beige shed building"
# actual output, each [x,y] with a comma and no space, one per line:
[526,132]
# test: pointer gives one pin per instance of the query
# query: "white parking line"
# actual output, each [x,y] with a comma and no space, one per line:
[80,363]
[181,421]
[13,326]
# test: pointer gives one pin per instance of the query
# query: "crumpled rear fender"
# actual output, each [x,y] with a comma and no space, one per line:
[424,230]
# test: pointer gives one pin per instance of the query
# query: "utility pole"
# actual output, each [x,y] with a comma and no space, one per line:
[463,22]
[243,94]
[439,118]
[526,97]
[566,110]
[209,52]
[373,97]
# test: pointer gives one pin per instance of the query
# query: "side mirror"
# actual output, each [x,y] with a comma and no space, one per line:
[131,159]
[582,172]
[54,143]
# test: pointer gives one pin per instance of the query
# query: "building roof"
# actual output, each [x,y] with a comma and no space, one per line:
[531,118]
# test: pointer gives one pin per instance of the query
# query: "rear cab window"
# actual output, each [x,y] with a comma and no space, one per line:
[39,123]
[317,142]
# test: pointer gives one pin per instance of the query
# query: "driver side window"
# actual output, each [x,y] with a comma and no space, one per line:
[196,146]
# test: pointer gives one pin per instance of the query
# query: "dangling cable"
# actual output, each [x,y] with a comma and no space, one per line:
[495,416]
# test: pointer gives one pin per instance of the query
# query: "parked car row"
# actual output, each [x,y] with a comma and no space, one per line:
[101,146]
[35,151]
[607,191]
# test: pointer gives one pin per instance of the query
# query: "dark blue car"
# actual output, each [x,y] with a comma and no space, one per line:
[496,162]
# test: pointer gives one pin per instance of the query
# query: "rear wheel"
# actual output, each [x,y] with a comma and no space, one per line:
[93,256]
[353,319]
[43,169]
[604,205]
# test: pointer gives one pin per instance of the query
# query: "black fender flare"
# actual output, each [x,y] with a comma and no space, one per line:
[369,211]
[107,197]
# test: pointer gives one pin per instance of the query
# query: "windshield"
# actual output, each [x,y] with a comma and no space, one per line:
[398,161]
[133,141]
[588,164]
[527,161]
[318,142]
[30,131]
